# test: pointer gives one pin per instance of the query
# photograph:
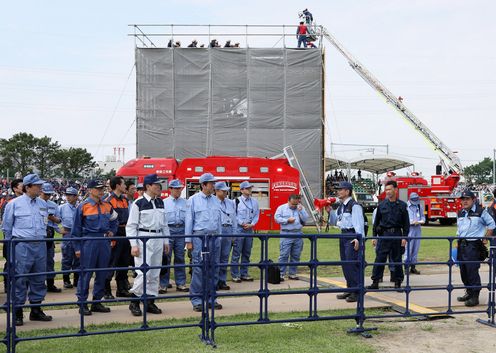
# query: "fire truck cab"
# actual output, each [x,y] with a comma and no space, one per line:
[273,180]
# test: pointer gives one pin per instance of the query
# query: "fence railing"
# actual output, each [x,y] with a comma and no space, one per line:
[209,321]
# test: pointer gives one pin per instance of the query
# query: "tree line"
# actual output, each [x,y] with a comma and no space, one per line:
[25,153]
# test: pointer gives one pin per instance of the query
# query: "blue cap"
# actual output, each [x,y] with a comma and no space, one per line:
[47,188]
[221,185]
[95,184]
[32,179]
[345,185]
[71,191]
[467,193]
[175,184]
[151,179]
[140,186]
[204,178]
[245,185]
[414,198]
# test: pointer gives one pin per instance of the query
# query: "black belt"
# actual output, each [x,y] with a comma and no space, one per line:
[149,230]
[291,230]
[393,230]
[348,230]
[227,225]
[176,225]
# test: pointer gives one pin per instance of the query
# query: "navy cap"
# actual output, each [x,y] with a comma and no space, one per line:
[32,179]
[414,198]
[140,186]
[47,188]
[151,179]
[175,184]
[95,184]
[467,193]
[245,185]
[204,178]
[345,185]
[221,185]
[71,191]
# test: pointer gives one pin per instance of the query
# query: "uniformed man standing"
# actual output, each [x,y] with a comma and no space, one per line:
[474,224]
[147,218]
[53,220]
[417,218]
[247,210]
[203,217]
[94,218]
[391,220]
[349,218]
[291,217]
[26,217]
[119,256]
[175,209]
[67,213]
[228,219]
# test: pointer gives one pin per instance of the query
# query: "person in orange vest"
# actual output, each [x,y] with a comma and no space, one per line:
[301,34]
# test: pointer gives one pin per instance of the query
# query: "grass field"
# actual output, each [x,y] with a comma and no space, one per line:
[314,337]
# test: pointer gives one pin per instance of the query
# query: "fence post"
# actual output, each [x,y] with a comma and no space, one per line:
[10,286]
[491,287]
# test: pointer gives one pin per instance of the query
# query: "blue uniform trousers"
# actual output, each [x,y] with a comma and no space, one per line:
[242,249]
[391,247]
[94,254]
[69,259]
[470,251]
[225,251]
[176,246]
[413,245]
[196,287]
[351,271]
[30,257]
[290,249]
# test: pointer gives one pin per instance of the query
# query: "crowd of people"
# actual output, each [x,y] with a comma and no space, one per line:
[120,215]
[102,228]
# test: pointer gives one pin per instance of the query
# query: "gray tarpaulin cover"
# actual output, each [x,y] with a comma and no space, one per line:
[194,102]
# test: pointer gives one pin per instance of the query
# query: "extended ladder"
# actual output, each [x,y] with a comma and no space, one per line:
[305,190]
[446,154]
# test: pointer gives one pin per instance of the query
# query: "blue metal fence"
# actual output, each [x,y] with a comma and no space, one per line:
[208,322]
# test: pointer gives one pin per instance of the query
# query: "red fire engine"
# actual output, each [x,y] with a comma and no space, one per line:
[436,196]
[273,179]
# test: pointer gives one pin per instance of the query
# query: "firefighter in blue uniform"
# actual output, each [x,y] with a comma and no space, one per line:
[228,219]
[47,191]
[247,211]
[175,209]
[67,213]
[94,218]
[202,218]
[292,217]
[391,220]
[417,219]
[121,248]
[349,218]
[474,224]
[26,217]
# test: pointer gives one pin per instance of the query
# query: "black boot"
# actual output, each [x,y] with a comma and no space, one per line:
[76,279]
[473,300]
[37,314]
[19,317]
[397,285]
[464,297]
[99,308]
[414,270]
[152,308]
[51,286]
[134,307]
[67,282]
[374,285]
[122,290]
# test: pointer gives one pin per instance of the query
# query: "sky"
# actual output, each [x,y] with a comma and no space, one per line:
[66,70]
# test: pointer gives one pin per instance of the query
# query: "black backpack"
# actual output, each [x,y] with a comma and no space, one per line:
[274,273]
[349,209]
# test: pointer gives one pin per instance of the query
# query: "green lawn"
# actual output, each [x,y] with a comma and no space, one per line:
[314,337]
